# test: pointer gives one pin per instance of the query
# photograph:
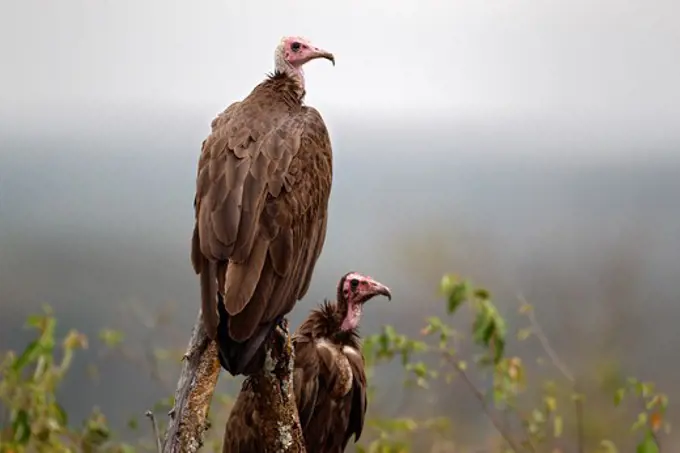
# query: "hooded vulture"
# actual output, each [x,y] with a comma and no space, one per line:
[262,188]
[329,379]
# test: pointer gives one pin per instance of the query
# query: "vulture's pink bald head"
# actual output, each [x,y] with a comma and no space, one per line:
[356,289]
[294,51]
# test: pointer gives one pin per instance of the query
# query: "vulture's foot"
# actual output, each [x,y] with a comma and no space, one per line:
[282,323]
[281,333]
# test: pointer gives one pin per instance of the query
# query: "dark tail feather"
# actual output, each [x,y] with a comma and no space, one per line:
[208,289]
[240,358]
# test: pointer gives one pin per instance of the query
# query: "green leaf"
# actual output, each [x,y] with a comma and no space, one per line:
[482,294]
[641,421]
[457,296]
[538,416]
[648,445]
[62,416]
[29,355]
[557,426]
[525,333]
[434,325]
[47,335]
[652,402]
[419,369]
[645,388]
[619,395]
[74,340]
[21,427]
[550,403]
[607,446]
[480,326]
[499,348]
[111,337]
[127,448]
[447,283]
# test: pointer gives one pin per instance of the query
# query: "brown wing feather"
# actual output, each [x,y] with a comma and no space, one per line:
[262,191]
[328,422]
[358,398]
[241,434]
[305,379]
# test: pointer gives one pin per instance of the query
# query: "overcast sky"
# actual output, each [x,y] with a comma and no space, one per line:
[609,60]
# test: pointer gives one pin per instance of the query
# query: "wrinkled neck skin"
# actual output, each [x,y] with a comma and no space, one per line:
[295,73]
[352,316]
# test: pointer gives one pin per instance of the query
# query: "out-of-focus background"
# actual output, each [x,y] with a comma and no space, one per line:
[532,146]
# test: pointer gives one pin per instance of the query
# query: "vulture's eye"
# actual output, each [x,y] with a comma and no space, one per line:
[354,283]
[295,46]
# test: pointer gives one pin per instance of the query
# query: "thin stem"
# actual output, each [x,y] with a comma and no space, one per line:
[578,406]
[562,367]
[156,434]
[498,424]
[543,339]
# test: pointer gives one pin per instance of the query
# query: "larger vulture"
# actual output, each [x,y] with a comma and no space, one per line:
[262,189]
[329,379]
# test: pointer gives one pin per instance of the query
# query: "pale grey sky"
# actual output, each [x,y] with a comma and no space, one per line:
[607,61]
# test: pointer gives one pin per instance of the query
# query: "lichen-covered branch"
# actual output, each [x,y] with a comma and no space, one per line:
[275,398]
[264,418]
[272,389]
[197,381]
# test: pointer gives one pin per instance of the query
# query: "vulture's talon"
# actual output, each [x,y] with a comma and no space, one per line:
[282,323]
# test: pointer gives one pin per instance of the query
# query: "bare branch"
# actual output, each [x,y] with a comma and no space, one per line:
[580,429]
[543,339]
[273,387]
[497,423]
[197,381]
[156,434]
[281,423]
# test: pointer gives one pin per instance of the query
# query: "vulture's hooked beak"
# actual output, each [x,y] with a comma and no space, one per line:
[320,53]
[377,288]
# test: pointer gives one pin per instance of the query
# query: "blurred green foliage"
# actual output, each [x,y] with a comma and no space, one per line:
[437,357]
[31,418]
[546,416]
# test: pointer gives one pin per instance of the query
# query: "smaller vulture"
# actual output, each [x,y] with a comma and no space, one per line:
[329,378]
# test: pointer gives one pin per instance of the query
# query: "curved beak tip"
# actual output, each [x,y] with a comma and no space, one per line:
[327,55]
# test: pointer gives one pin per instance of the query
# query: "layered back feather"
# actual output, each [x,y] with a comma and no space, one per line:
[263,183]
